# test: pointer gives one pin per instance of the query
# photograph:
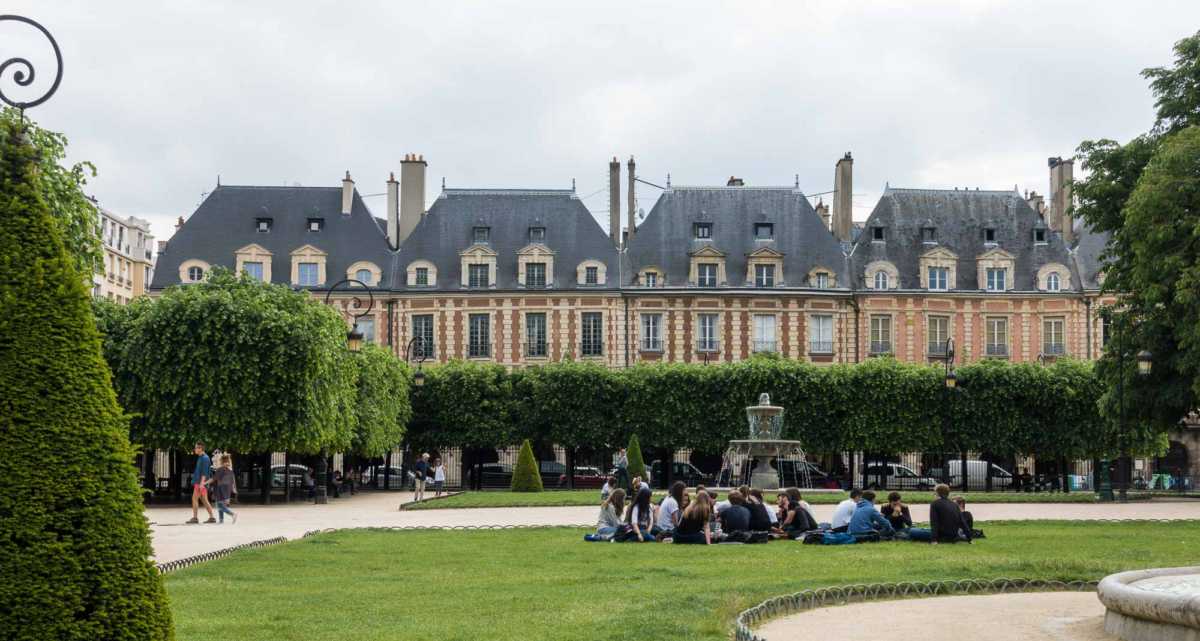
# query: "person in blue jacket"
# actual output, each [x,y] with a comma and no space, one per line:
[868,520]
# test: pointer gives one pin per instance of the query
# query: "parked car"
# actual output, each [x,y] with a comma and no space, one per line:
[894,476]
[374,476]
[977,475]
[585,477]
[792,474]
[680,471]
[297,475]
[499,475]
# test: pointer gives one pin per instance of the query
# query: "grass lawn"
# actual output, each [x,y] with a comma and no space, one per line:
[547,584]
[559,498]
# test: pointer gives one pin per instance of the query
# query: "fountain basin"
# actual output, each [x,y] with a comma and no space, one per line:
[1159,605]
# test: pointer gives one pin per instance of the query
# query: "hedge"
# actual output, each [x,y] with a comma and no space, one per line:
[74,543]
[881,406]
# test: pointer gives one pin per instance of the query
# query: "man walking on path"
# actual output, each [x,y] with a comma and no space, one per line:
[621,462]
[421,472]
[200,476]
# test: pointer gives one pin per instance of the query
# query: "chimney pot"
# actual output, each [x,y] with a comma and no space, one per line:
[347,194]
[614,201]
[411,197]
[843,198]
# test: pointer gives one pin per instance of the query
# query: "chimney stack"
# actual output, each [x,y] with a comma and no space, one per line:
[734,181]
[1037,202]
[412,195]
[823,212]
[614,201]
[393,211]
[1061,217]
[347,194]
[632,203]
[843,190]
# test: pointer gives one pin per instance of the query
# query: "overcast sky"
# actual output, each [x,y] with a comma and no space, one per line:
[524,94]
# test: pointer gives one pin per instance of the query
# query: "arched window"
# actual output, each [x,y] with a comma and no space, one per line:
[195,274]
[364,275]
[1052,282]
[881,280]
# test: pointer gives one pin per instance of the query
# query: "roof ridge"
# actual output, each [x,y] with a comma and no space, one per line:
[918,190]
[276,187]
[736,188]
[460,191]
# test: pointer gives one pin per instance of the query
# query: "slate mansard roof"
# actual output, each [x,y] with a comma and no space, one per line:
[571,233]
[1089,251]
[959,218]
[226,222]
[666,238]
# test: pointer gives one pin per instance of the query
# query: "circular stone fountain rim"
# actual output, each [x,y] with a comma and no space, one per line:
[1119,594]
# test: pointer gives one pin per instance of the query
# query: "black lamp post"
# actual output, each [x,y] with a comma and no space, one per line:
[416,349]
[1145,362]
[951,381]
[23,74]
[354,340]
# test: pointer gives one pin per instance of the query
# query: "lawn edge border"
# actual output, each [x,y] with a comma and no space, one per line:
[405,506]
[805,600]
[178,564]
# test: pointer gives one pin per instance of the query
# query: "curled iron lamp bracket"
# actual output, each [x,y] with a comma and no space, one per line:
[23,73]
[356,299]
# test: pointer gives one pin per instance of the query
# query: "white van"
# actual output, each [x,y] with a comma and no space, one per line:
[894,476]
[977,475]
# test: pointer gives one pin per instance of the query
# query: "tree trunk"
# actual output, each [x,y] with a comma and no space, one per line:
[570,468]
[264,478]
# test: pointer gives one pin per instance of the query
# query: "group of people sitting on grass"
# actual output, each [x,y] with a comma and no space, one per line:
[745,516]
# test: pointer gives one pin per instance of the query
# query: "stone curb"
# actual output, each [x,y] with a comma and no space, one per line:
[789,604]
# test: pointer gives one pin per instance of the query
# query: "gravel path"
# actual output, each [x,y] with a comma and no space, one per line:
[174,540]
[1045,616]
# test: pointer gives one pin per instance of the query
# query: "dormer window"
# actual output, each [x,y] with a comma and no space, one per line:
[263,225]
[764,231]
[537,234]
[929,234]
[702,231]
[989,235]
[651,279]
[481,235]
[877,234]
[1039,236]
[821,280]
[316,224]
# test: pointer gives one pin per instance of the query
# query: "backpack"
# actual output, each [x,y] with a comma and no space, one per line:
[814,538]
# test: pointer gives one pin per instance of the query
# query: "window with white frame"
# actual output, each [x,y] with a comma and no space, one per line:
[706,274]
[821,280]
[881,280]
[421,276]
[423,332]
[1054,341]
[363,275]
[479,343]
[881,334]
[651,279]
[195,274]
[939,278]
[254,270]
[535,274]
[366,327]
[1052,282]
[308,274]
[652,333]
[820,334]
[591,275]
[938,330]
[477,275]
[706,333]
[764,275]
[764,333]
[535,335]
[592,339]
[997,279]
[997,336]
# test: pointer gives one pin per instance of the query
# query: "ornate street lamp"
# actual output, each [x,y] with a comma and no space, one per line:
[951,379]
[1145,361]
[354,337]
[24,74]
[354,340]
[420,353]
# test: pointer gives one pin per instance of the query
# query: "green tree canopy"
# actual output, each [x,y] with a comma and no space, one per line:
[74,544]
[383,407]
[61,186]
[241,365]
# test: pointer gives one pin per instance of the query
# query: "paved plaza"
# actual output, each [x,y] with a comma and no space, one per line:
[174,540]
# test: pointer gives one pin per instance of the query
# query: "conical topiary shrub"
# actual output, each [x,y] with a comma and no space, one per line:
[637,467]
[526,477]
[74,544]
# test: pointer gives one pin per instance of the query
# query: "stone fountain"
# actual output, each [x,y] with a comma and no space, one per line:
[765,460]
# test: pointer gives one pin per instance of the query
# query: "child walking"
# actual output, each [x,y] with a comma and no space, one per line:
[439,477]
[223,487]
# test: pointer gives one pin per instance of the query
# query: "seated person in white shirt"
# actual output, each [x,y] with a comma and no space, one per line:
[845,510]
[669,511]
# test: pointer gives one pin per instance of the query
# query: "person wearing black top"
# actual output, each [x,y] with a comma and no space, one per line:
[945,519]
[760,520]
[896,512]
[968,519]
[693,523]
[736,517]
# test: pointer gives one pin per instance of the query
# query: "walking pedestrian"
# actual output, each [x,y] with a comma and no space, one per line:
[223,487]
[420,472]
[621,463]
[201,475]
[439,477]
